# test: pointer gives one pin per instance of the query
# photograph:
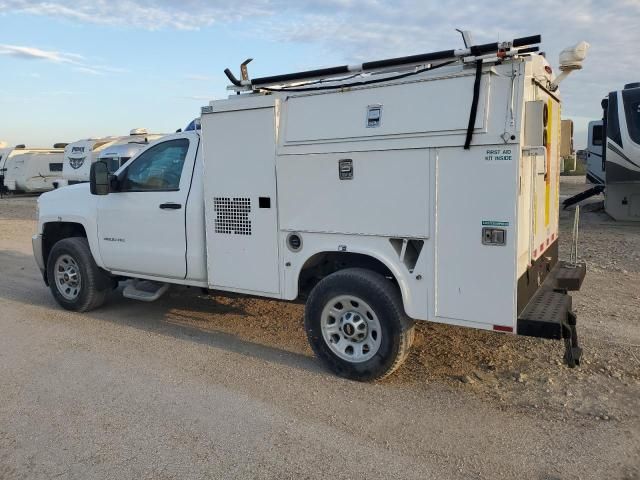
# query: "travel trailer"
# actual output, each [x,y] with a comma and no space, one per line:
[118,154]
[30,170]
[78,156]
[421,188]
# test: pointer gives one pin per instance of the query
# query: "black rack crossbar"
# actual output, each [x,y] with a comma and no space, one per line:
[476,50]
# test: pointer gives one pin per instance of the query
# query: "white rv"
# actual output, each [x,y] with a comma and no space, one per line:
[425,190]
[613,157]
[30,170]
[78,156]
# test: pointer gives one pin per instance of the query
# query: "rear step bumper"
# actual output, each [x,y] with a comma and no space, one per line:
[549,313]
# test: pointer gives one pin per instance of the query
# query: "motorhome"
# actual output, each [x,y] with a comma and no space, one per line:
[622,153]
[30,170]
[79,155]
[613,156]
[420,188]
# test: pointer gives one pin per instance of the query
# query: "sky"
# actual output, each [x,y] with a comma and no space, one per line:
[76,69]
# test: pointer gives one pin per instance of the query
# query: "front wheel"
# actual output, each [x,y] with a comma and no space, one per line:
[356,324]
[75,280]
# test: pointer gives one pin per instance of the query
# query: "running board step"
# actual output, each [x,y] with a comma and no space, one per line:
[145,290]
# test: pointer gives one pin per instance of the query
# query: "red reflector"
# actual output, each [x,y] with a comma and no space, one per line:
[548,69]
[501,328]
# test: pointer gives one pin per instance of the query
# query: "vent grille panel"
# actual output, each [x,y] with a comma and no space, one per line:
[232,215]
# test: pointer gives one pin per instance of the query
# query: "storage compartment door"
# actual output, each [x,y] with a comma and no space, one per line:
[476,275]
[240,201]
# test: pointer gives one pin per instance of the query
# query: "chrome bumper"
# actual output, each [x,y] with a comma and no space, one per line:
[36,243]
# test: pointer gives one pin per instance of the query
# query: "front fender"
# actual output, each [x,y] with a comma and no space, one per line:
[72,204]
[90,228]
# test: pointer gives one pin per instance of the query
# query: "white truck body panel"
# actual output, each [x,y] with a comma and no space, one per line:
[411,180]
[242,235]
[340,118]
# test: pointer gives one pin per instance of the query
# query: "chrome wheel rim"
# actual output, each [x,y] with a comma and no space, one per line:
[67,275]
[351,328]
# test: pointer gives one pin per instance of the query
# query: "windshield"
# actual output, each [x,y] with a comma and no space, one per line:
[631,99]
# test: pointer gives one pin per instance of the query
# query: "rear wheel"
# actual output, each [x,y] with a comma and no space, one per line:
[75,280]
[356,324]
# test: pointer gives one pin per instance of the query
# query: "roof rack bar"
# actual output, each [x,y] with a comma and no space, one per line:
[476,50]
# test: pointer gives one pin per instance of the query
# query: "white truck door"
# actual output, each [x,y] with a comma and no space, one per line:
[141,227]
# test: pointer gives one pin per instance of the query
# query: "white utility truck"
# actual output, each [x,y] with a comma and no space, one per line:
[30,170]
[80,155]
[414,188]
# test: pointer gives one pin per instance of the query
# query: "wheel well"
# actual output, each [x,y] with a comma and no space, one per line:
[55,231]
[325,263]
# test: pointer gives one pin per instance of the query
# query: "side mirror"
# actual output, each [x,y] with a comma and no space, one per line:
[99,178]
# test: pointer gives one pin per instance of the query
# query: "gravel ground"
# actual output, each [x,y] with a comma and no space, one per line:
[199,386]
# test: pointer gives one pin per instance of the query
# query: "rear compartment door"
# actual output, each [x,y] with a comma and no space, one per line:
[475,277]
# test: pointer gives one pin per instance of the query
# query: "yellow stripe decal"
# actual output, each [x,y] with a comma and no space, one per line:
[547,180]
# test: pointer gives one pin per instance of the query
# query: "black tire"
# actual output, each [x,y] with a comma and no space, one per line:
[95,283]
[383,297]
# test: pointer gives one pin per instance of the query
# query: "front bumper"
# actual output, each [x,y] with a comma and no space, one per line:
[36,243]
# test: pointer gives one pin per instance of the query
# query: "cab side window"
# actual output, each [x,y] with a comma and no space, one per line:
[597,135]
[157,169]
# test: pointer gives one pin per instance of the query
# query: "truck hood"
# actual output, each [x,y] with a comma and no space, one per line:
[70,203]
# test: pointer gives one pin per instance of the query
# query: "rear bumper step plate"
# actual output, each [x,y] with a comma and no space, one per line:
[549,315]
[545,314]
